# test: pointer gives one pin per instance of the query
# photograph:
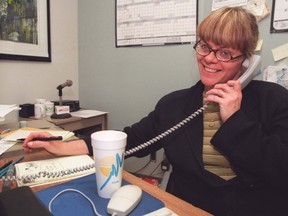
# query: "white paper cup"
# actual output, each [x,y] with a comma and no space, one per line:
[108,150]
[39,111]
[49,108]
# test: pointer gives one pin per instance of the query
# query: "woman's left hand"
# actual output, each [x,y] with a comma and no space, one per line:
[228,96]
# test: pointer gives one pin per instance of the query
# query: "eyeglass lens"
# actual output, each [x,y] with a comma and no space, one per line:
[222,55]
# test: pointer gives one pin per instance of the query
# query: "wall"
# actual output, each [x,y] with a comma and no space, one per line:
[126,82]
[23,81]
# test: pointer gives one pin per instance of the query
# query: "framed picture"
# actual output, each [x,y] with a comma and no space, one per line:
[279,17]
[25,30]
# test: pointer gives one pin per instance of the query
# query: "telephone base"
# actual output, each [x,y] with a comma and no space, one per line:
[60,116]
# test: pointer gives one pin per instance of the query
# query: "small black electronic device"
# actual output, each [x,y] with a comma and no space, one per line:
[27,110]
[74,105]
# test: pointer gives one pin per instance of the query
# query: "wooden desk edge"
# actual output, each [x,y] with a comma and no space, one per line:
[183,208]
[63,121]
[177,205]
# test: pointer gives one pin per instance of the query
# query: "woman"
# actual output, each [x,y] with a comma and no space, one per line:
[232,159]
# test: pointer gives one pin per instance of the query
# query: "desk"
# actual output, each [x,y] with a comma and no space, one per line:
[76,123]
[177,205]
[17,149]
[80,126]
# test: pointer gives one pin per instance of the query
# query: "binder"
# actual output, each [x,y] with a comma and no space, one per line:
[21,201]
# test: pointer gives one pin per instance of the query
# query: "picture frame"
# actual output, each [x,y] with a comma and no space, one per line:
[25,30]
[279,17]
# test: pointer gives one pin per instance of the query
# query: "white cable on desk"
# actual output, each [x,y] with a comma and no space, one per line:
[73,190]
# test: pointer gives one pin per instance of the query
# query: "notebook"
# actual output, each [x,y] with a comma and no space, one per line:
[53,170]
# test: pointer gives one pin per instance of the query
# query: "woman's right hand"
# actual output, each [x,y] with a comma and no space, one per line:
[50,146]
[60,148]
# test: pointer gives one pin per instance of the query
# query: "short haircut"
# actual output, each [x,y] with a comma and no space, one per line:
[231,27]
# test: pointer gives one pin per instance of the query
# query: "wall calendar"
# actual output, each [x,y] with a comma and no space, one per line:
[155,22]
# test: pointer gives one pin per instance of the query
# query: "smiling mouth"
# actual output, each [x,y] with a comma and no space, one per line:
[210,69]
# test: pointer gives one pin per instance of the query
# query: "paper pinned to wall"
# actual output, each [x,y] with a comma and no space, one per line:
[279,18]
[259,45]
[216,4]
[277,74]
[256,7]
[280,52]
[259,8]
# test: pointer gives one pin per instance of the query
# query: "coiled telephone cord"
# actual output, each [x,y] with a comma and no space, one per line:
[166,133]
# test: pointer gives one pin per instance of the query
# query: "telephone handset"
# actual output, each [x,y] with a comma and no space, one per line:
[251,70]
[252,66]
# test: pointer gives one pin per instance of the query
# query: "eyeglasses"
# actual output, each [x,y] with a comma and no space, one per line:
[222,55]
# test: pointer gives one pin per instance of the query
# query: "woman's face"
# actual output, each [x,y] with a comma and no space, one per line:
[213,71]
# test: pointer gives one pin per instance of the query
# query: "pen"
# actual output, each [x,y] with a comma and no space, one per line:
[5,165]
[42,138]
[3,171]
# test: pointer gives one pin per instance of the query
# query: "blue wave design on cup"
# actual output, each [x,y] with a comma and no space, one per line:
[114,169]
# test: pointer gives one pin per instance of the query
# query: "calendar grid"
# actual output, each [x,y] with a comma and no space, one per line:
[149,22]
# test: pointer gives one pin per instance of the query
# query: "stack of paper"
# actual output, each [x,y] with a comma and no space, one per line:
[6,109]
[87,113]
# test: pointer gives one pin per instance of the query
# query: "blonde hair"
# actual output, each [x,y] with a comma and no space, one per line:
[231,27]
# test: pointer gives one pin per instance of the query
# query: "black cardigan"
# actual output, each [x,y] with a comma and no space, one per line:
[255,140]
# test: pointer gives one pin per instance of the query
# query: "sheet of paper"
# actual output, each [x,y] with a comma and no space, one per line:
[5,145]
[22,133]
[87,113]
[280,16]
[6,109]
[280,52]
[259,45]
[216,4]
[277,74]
[256,7]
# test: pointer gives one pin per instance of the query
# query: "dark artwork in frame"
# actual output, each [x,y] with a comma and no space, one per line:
[25,30]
